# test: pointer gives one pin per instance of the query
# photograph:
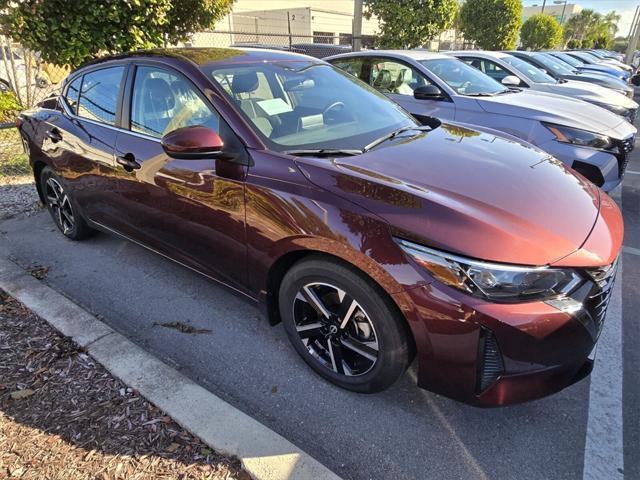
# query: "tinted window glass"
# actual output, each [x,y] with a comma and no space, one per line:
[163,102]
[395,77]
[351,65]
[99,95]
[534,73]
[569,59]
[487,67]
[555,66]
[73,92]
[464,79]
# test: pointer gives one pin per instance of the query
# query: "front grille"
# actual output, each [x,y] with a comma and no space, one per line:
[624,147]
[597,301]
[490,365]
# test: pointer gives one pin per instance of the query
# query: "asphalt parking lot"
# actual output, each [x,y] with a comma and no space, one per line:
[402,433]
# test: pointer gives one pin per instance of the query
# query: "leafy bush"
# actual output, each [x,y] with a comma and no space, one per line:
[66,35]
[410,23]
[9,107]
[541,32]
[492,24]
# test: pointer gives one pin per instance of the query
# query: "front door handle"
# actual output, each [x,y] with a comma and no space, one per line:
[54,134]
[128,161]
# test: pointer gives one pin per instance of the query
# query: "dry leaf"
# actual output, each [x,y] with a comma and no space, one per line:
[173,447]
[19,394]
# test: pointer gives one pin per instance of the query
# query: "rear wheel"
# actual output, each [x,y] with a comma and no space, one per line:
[342,326]
[61,206]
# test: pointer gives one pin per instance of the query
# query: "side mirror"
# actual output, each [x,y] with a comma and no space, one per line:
[192,142]
[428,92]
[511,81]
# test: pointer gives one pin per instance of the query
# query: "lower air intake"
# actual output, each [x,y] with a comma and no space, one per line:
[490,365]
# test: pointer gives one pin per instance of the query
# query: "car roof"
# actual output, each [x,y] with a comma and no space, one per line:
[208,56]
[481,53]
[406,54]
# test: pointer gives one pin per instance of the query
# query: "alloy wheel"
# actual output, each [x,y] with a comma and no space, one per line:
[335,329]
[59,205]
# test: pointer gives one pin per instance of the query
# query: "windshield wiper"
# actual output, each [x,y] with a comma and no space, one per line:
[323,152]
[479,94]
[394,134]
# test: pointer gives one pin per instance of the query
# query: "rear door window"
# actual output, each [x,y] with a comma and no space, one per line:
[99,95]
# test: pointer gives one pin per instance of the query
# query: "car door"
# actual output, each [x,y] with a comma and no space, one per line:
[398,80]
[79,140]
[191,210]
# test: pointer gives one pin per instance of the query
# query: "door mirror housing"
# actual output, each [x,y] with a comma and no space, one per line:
[195,141]
[428,92]
[511,81]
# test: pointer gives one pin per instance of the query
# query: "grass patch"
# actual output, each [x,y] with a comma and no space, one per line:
[13,160]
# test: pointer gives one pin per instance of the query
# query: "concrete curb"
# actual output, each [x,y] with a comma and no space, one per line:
[264,454]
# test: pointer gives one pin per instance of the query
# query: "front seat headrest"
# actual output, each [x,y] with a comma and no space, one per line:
[244,82]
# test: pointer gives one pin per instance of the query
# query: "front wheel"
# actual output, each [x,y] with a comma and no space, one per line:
[61,206]
[341,325]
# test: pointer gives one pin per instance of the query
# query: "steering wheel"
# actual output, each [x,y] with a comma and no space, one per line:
[464,86]
[333,106]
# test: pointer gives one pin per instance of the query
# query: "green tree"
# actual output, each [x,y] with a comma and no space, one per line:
[588,29]
[540,32]
[70,33]
[410,23]
[492,24]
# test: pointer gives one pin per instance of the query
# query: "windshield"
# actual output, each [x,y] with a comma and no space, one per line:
[308,105]
[587,57]
[534,73]
[553,65]
[574,62]
[464,79]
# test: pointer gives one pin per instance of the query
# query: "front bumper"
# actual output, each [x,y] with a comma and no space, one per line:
[490,354]
[604,168]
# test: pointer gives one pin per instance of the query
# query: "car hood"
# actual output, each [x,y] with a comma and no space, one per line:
[608,69]
[549,107]
[603,79]
[592,93]
[469,192]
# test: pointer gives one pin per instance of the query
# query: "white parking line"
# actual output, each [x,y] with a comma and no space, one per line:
[633,172]
[603,452]
[631,250]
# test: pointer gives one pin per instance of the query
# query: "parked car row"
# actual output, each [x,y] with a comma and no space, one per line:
[414,207]
[507,93]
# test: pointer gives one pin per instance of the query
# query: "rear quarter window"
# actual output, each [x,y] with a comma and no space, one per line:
[72,94]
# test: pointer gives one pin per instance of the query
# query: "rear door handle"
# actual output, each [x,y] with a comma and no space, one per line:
[54,134]
[128,161]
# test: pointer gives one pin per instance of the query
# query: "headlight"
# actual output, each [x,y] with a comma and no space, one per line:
[579,137]
[493,281]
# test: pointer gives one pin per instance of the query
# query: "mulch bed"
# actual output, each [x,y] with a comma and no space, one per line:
[63,416]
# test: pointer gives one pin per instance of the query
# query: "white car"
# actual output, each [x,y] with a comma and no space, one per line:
[590,139]
[514,72]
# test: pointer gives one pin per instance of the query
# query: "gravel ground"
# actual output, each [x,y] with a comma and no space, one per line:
[63,416]
[18,195]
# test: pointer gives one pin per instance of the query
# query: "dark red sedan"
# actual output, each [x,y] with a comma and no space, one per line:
[373,237]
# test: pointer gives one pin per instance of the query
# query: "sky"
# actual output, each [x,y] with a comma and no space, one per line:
[626,8]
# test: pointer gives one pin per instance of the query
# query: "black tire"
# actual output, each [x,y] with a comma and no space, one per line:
[69,220]
[388,332]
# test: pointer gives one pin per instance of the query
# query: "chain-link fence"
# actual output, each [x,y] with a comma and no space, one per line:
[25,77]
[319,44]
